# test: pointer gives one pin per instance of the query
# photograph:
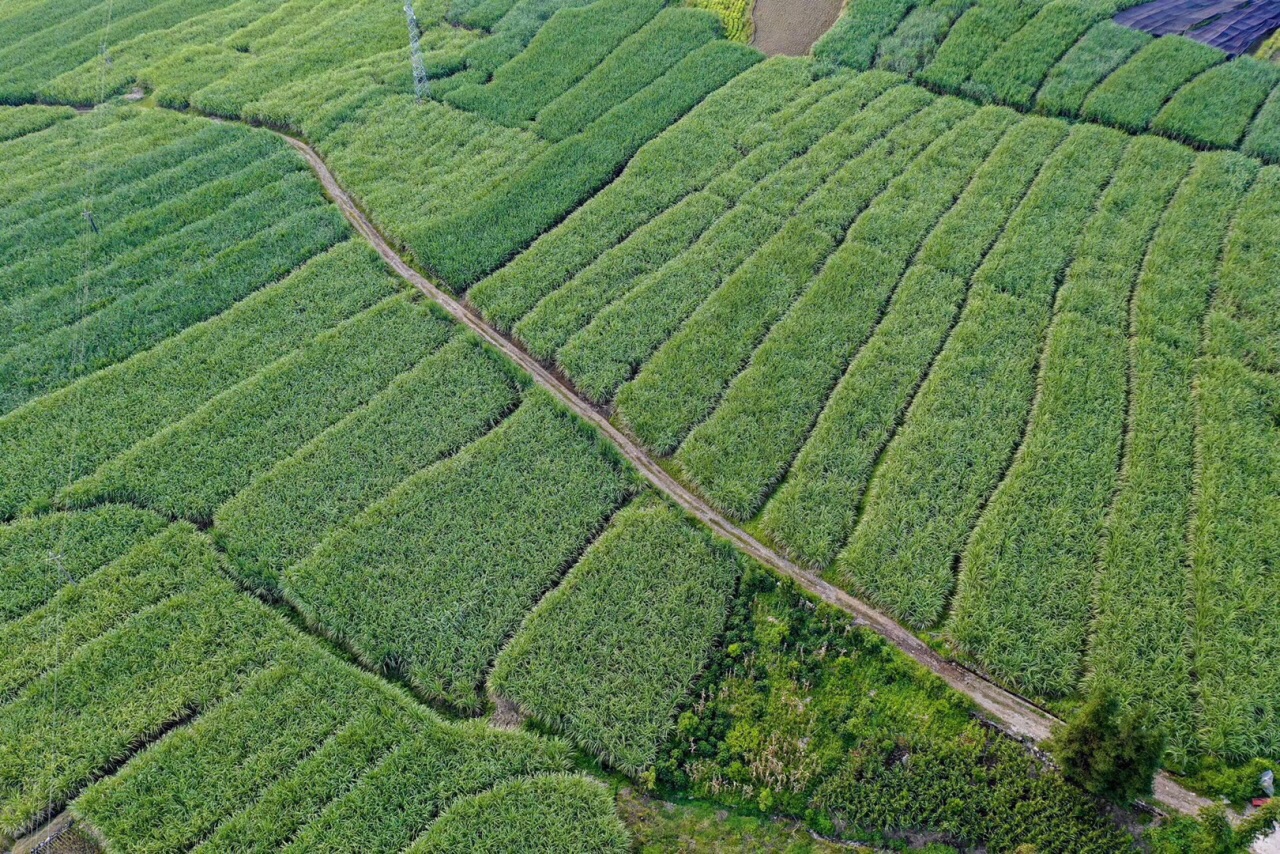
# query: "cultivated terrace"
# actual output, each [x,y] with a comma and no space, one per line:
[557,426]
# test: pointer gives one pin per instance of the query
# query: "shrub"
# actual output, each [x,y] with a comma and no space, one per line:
[1110,754]
[805,715]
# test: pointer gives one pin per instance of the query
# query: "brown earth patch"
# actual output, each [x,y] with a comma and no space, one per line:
[790,27]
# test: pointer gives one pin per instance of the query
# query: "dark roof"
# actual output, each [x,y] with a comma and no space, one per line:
[1234,26]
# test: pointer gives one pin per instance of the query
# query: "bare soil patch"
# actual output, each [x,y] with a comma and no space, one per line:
[790,27]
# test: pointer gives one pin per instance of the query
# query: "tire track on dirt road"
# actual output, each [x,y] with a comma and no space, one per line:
[1015,715]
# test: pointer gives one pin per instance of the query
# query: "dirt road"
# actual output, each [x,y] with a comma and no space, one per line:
[1014,714]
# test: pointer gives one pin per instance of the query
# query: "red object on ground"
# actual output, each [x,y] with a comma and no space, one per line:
[1261,802]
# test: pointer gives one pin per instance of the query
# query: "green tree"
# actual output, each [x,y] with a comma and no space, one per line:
[1109,752]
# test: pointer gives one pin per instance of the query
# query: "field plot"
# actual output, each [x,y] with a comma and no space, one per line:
[1066,57]
[284,739]
[129,652]
[905,338]
[608,655]
[1009,377]
[185,220]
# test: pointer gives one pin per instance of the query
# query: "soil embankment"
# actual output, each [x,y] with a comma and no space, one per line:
[790,27]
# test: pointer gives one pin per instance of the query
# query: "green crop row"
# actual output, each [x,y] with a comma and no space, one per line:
[513,25]
[411,163]
[185,224]
[975,37]
[191,466]
[129,59]
[466,245]
[180,655]
[447,401]
[550,323]
[682,159]
[38,556]
[738,454]
[342,761]
[914,42]
[684,379]
[642,58]
[967,419]
[164,307]
[1099,52]
[1067,58]
[1132,96]
[42,42]
[1217,107]
[20,121]
[1024,596]
[813,513]
[93,605]
[1234,539]
[571,45]
[680,254]
[549,813]
[1140,632]
[1236,524]
[105,413]
[137,223]
[405,588]
[1014,71]
[853,40]
[287,744]
[607,656]
[607,351]
[108,155]
[192,231]
[302,43]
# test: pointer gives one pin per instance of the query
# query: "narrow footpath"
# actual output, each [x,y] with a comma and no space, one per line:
[1016,716]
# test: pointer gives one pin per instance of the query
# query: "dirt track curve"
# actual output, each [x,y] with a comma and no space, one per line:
[1014,714]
